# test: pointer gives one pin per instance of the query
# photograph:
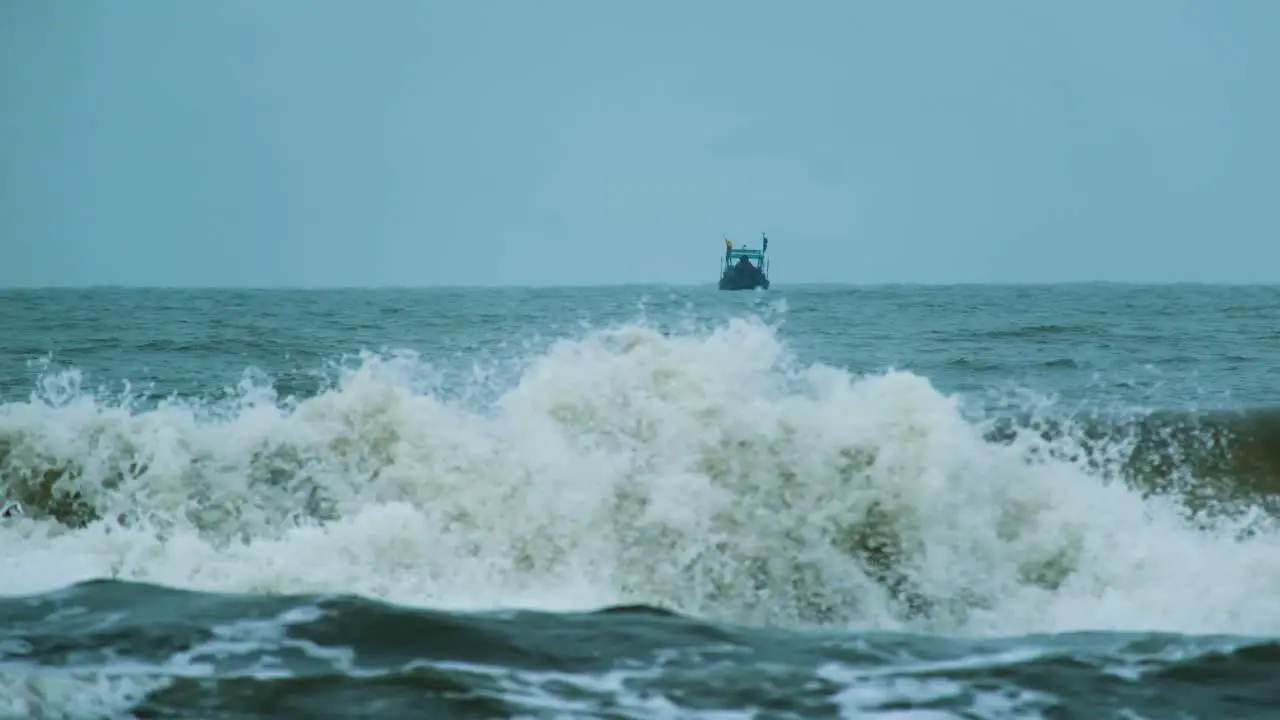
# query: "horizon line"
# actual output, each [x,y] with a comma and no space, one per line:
[652,284]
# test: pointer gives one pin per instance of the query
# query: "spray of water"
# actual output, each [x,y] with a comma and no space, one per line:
[706,472]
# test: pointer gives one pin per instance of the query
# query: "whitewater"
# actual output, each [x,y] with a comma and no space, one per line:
[707,472]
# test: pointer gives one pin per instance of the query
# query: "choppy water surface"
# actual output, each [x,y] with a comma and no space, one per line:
[640,502]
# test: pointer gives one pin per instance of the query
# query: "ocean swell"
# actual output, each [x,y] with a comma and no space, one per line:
[706,473]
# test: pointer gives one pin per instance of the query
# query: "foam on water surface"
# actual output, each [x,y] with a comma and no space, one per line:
[704,472]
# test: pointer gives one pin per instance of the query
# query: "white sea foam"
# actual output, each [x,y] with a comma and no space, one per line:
[699,471]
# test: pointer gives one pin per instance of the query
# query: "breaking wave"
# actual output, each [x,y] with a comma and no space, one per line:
[708,473]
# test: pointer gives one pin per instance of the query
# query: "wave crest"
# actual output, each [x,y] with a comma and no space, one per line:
[709,473]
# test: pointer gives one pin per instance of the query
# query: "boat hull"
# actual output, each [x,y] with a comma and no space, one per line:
[733,283]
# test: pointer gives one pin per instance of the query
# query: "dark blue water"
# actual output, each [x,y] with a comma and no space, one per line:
[640,502]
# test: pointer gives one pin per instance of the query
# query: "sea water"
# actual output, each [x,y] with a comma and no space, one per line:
[908,502]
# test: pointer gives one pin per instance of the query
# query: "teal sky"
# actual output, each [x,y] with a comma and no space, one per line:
[553,142]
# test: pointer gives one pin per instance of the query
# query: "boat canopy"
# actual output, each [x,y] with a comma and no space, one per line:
[748,253]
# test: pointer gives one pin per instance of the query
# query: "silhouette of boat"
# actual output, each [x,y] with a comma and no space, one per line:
[745,268]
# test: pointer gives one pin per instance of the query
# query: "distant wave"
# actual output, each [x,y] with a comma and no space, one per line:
[1043,330]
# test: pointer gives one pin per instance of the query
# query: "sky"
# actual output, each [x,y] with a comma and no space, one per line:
[494,142]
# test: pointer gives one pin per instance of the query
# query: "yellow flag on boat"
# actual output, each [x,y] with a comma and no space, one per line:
[728,244]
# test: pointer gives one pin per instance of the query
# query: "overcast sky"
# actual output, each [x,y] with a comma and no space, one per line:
[429,142]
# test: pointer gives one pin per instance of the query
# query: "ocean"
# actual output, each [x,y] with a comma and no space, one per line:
[641,502]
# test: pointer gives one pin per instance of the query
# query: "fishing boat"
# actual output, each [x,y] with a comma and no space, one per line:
[745,268]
